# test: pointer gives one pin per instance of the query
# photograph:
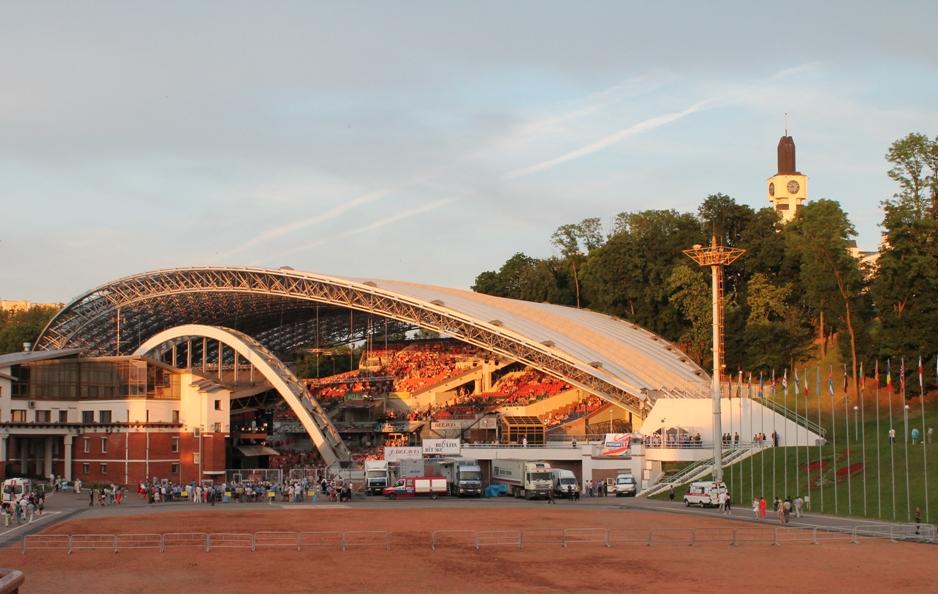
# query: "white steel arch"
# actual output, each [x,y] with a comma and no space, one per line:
[311,415]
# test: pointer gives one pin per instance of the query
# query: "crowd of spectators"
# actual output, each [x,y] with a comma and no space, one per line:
[337,387]
[572,411]
[528,386]
[418,365]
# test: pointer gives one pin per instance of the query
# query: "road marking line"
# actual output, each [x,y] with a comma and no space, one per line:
[25,524]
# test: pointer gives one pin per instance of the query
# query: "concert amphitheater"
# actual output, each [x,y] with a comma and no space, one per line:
[192,373]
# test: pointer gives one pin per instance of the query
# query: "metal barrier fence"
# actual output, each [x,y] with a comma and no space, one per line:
[480,539]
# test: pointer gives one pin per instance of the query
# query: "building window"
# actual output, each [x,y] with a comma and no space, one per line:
[174,468]
[86,468]
[176,417]
[103,468]
[104,416]
[87,417]
[18,416]
[216,428]
[43,416]
[218,405]
[103,445]
[86,447]
[174,444]
[63,416]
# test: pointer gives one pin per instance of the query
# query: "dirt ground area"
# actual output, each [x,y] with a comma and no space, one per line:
[412,566]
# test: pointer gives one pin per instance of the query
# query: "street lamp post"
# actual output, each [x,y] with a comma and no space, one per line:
[716,257]
[856,423]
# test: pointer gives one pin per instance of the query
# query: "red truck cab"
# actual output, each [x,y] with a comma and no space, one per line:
[414,486]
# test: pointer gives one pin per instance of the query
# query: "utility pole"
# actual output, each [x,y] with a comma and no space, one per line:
[716,257]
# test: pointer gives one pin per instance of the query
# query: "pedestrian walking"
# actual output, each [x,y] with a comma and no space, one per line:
[91,498]
[892,436]
[728,506]
[762,506]
[755,508]
[798,503]
[721,498]
[550,497]
[671,493]
[918,519]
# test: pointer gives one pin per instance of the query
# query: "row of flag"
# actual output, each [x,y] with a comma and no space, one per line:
[802,384]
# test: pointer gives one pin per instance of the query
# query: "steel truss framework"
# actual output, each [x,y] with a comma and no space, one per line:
[132,309]
[311,415]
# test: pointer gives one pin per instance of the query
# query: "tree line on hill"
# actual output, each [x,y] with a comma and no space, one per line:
[23,325]
[798,287]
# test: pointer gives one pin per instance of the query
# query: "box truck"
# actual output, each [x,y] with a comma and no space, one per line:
[377,476]
[523,478]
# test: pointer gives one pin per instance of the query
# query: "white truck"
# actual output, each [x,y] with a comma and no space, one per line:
[523,478]
[464,477]
[377,476]
[564,481]
[626,486]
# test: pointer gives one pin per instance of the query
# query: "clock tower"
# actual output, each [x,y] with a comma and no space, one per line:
[788,188]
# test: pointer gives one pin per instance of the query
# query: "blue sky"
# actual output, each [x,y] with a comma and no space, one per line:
[424,141]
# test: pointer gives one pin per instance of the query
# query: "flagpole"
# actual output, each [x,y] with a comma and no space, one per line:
[807,447]
[905,440]
[879,485]
[830,386]
[820,441]
[739,405]
[921,386]
[847,433]
[752,474]
[863,433]
[730,440]
[762,433]
[774,435]
[794,372]
[785,460]
[892,440]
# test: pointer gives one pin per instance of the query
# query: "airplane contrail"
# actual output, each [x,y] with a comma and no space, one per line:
[650,124]
[280,231]
[397,217]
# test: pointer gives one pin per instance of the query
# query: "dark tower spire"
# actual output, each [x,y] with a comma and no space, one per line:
[786,155]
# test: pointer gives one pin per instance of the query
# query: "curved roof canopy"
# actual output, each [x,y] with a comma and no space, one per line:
[286,309]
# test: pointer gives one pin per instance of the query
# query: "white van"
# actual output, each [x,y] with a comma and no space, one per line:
[704,493]
[626,485]
[563,481]
[15,489]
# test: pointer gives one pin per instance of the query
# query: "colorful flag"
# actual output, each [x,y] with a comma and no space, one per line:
[845,378]
[761,386]
[785,380]
[889,376]
[750,385]
[902,376]
[805,381]
[830,380]
[794,374]
[921,376]
[739,385]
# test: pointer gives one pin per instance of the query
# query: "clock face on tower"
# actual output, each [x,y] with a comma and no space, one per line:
[793,187]
[771,188]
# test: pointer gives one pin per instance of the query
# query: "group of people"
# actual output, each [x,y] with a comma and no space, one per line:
[595,488]
[680,439]
[101,496]
[571,411]
[417,365]
[23,510]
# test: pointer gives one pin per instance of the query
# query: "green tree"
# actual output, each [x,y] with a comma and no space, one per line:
[830,279]
[905,289]
[690,293]
[507,282]
[22,326]
[574,240]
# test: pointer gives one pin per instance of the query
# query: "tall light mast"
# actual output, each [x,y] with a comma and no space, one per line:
[716,257]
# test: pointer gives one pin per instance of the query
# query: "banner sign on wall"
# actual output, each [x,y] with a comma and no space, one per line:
[616,445]
[396,454]
[446,447]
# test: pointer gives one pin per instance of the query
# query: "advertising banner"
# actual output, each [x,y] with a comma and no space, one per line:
[446,447]
[396,454]
[616,445]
